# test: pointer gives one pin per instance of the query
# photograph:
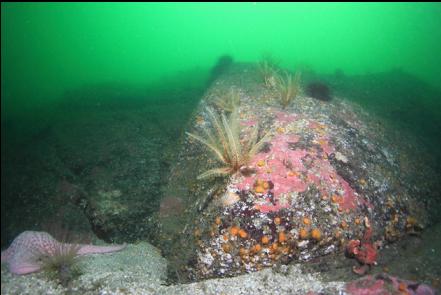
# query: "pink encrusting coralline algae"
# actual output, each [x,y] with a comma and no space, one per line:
[386,284]
[291,169]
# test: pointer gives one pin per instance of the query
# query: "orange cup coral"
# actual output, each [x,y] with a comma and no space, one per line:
[243,234]
[234,230]
[303,234]
[306,221]
[316,234]
[282,237]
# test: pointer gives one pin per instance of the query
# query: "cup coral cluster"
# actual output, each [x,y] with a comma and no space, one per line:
[234,248]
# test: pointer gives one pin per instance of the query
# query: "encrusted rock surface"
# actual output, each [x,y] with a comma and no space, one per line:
[327,169]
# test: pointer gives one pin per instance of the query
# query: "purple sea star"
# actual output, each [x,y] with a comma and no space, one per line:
[25,252]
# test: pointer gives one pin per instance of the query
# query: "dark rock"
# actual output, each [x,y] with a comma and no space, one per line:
[319,90]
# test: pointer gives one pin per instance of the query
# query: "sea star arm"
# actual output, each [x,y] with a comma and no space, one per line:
[92,249]
[22,269]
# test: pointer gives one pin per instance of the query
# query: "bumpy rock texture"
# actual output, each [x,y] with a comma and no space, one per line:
[326,172]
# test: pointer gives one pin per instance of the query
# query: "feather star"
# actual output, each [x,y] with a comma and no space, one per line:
[25,252]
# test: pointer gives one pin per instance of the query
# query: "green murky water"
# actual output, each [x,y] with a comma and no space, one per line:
[49,48]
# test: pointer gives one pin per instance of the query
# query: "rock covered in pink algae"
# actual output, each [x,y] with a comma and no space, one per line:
[386,284]
[292,168]
[301,196]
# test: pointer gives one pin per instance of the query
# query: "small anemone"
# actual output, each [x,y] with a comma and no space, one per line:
[62,263]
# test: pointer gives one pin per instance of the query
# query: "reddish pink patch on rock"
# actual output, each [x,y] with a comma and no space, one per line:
[314,125]
[285,118]
[246,184]
[267,208]
[349,198]
[386,284]
[277,164]
[285,168]
[313,178]
[281,166]
[367,286]
[284,139]
[286,184]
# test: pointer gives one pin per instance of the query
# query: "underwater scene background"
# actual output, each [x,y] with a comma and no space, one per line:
[221,140]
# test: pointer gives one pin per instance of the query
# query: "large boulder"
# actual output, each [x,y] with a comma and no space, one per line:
[327,174]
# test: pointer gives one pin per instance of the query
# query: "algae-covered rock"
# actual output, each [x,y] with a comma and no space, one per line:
[326,172]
